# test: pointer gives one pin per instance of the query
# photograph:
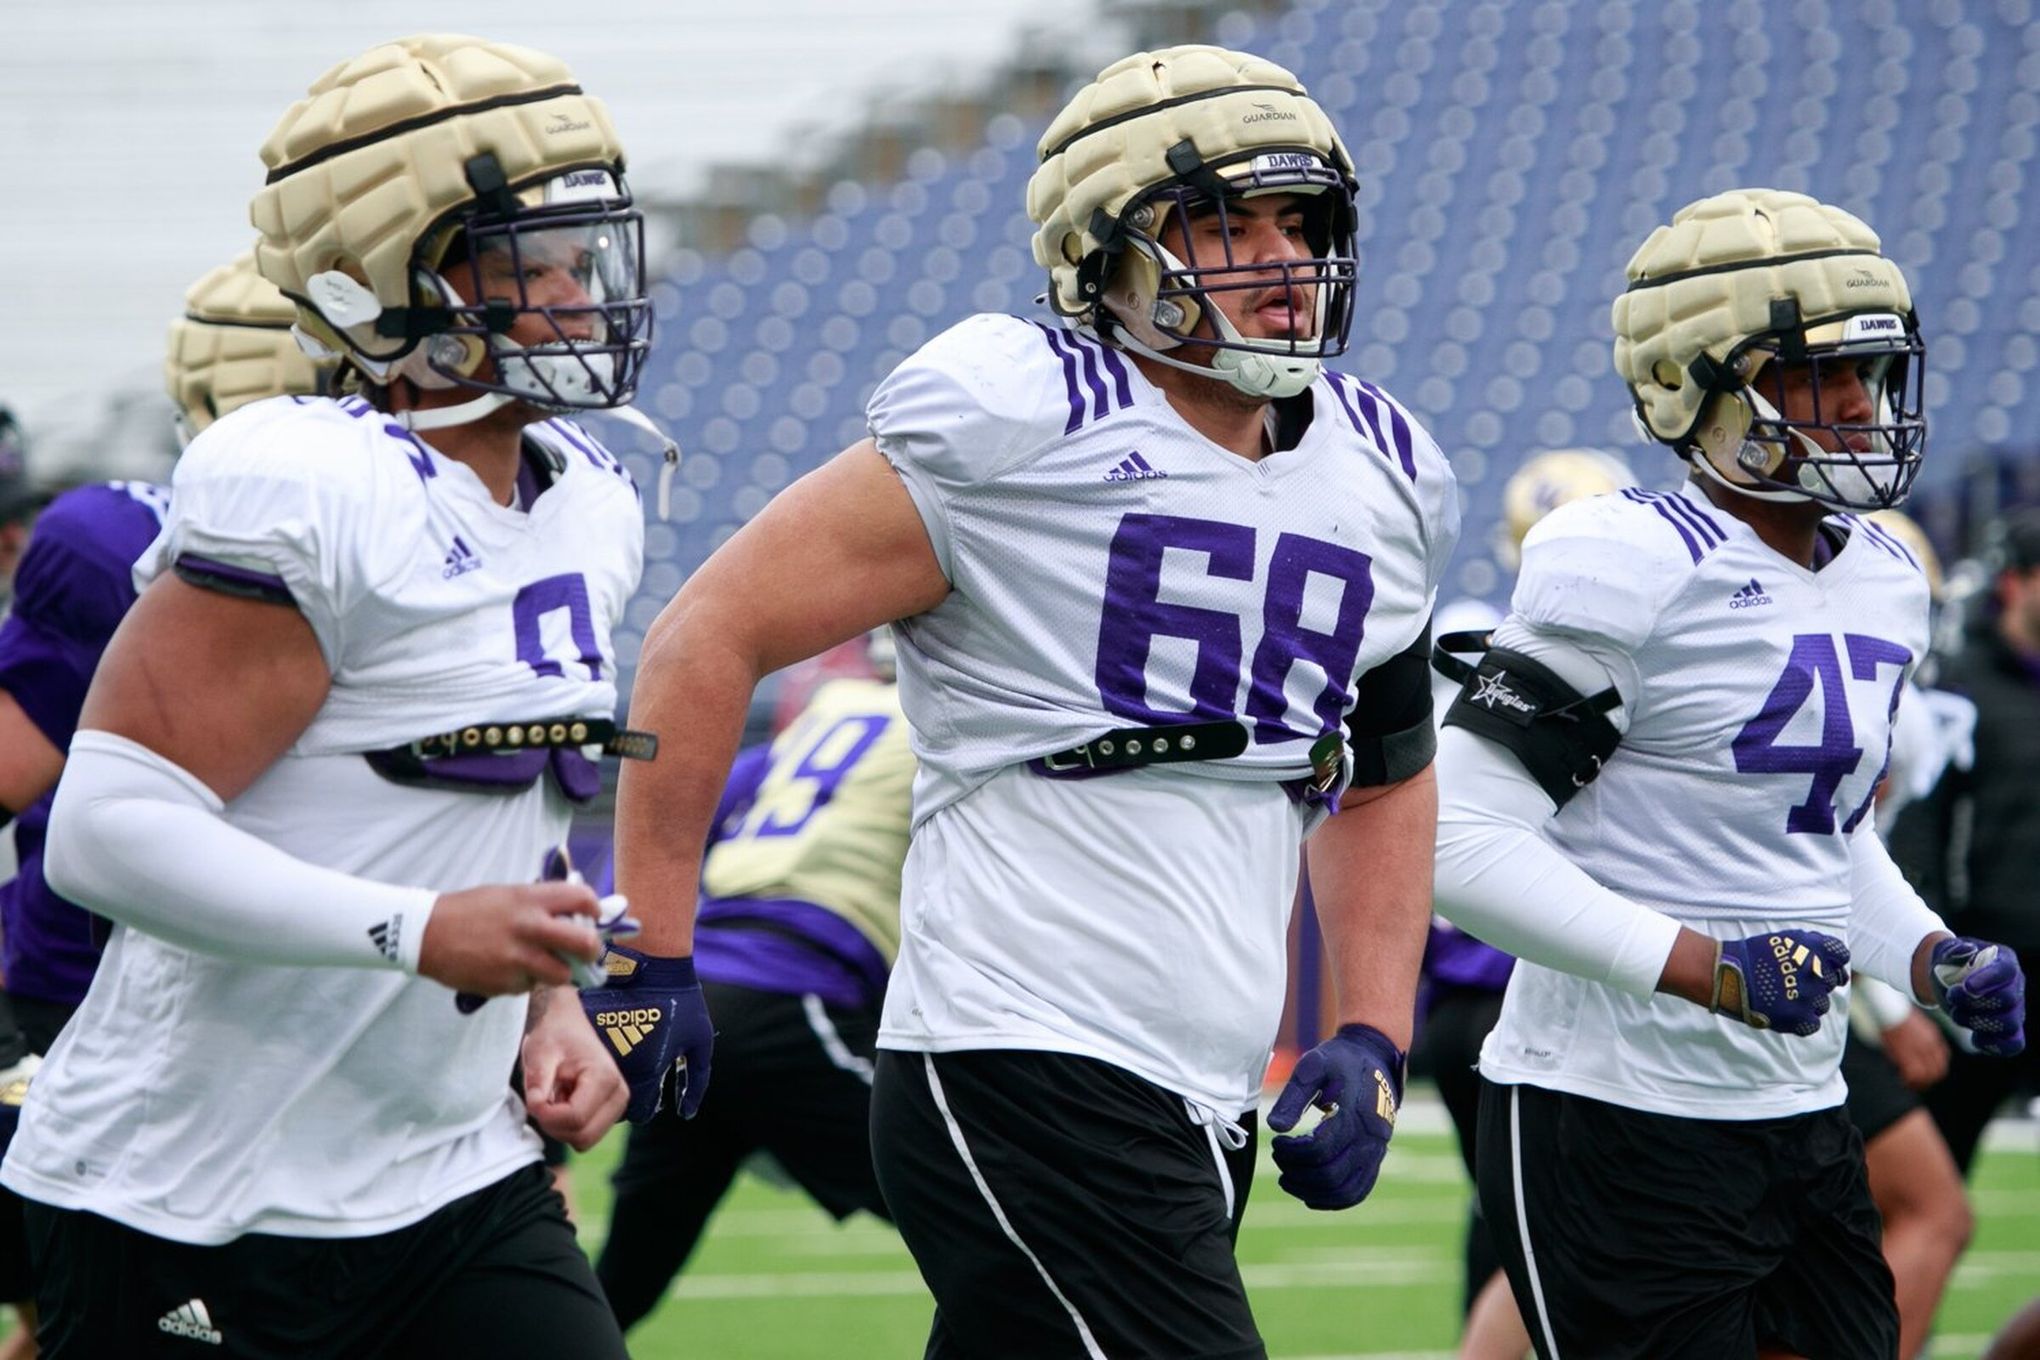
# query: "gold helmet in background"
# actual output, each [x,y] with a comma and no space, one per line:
[1743,279]
[233,345]
[1549,480]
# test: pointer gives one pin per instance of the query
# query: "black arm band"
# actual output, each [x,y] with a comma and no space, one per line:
[228,579]
[1561,736]
[6,814]
[1390,728]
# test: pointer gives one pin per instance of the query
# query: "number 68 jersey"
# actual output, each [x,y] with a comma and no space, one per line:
[1759,699]
[1113,568]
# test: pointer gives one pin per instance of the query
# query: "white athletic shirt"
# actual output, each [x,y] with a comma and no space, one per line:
[1113,568]
[198,1098]
[1757,702]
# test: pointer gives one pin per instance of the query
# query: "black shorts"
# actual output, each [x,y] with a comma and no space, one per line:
[37,1023]
[1878,1096]
[792,1079]
[1456,1024]
[1061,1207]
[495,1273]
[1628,1234]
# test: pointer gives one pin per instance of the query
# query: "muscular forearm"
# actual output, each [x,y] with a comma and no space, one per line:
[1370,873]
[692,689]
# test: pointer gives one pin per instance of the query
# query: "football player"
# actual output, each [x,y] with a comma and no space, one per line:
[231,346]
[1163,582]
[797,930]
[326,754]
[1464,977]
[1658,781]
[20,500]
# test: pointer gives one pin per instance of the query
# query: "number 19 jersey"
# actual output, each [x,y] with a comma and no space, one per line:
[1111,567]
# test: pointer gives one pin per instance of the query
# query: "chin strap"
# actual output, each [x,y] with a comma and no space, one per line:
[1251,372]
[669,456]
[1755,493]
[440,417]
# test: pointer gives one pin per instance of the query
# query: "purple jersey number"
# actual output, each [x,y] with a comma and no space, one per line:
[1815,664]
[1135,615]
[542,597]
[823,763]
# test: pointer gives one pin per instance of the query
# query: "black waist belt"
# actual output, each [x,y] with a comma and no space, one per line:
[548,733]
[1128,748]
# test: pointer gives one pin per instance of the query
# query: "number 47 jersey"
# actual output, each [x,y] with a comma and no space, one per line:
[1759,698]
[1112,568]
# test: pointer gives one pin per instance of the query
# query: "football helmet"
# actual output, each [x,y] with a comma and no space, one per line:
[234,345]
[416,171]
[1549,480]
[1156,138]
[1752,277]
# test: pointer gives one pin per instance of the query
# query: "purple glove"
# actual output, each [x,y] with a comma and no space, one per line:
[1779,981]
[654,1020]
[1980,987]
[1356,1077]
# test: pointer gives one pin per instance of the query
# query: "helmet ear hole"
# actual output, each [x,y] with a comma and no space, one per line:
[1667,375]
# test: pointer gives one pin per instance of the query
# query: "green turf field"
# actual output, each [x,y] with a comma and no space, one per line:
[777,1280]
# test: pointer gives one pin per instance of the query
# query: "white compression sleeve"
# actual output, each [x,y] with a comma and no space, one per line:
[140,840]
[1888,920]
[1500,880]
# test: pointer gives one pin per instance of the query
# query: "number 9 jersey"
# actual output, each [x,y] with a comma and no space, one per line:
[1113,568]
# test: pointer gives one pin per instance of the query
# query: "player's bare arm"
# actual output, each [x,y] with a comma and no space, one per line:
[573,1089]
[1370,873]
[29,764]
[840,552]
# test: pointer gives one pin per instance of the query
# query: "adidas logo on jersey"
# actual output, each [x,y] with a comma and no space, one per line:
[1749,597]
[1133,468]
[460,559]
[626,1029]
[191,1322]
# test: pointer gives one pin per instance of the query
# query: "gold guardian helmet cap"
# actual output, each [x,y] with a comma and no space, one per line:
[1159,136]
[1752,277]
[234,345]
[402,169]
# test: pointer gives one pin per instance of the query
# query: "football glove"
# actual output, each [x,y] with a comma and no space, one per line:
[1779,981]
[651,1013]
[1980,987]
[1356,1077]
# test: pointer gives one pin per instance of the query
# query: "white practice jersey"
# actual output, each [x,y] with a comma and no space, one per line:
[1113,568]
[1758,698]
[199,1098]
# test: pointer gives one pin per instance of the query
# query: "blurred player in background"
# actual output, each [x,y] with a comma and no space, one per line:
[20,500]
[1658,780]
[1464,978]
[1973,844]
[327,753]
[231,346]
[798,926]
[1163,584]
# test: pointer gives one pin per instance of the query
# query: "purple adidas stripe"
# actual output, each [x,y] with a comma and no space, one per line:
[1645,498]
[1069,368]
[1885,539]
[1122,387]
[579,440]
[1101,402]
[1398,427]
[1710,532]
[1346,402]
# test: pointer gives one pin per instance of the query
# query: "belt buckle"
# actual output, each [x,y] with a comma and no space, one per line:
[1076,758]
